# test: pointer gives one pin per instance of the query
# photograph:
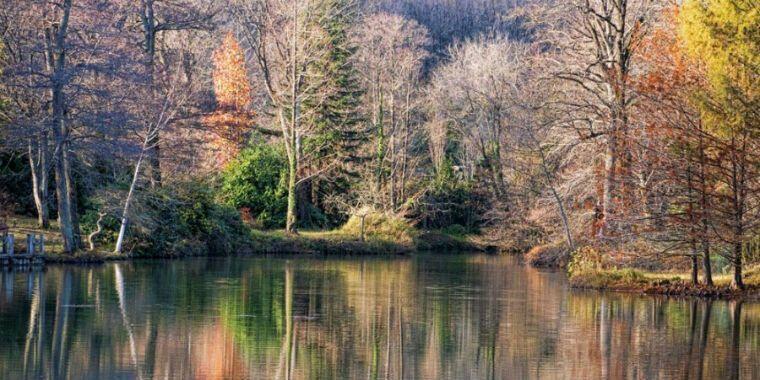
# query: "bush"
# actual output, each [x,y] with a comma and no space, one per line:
[455,230]
[257,182]
[88,223]
[185,219]
[450,201]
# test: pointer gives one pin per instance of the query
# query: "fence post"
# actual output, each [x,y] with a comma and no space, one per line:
[9,242]
[29,244]
[41,244]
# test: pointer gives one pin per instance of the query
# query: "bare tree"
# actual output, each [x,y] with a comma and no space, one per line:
[286,40]
[593,44]
[55,58]
[158,17]
[478,92]
[390,58]
[24,95]
[174,101]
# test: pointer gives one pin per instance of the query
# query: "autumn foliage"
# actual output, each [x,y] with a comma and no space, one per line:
[232,120]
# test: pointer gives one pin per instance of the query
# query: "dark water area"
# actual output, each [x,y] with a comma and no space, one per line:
[420,317]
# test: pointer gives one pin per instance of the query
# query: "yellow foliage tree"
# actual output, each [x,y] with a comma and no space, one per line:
[232,119]
[725,36]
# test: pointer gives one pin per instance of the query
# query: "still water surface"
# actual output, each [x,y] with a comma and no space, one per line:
[422,317]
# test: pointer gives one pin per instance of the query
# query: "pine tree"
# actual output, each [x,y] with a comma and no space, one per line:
[334,118]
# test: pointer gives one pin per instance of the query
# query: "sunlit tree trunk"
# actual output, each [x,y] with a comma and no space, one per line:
[38,164]
[127,204]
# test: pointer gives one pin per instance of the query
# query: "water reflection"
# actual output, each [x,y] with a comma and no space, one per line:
[468,317]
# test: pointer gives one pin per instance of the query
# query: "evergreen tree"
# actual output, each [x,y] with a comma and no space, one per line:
[335,117]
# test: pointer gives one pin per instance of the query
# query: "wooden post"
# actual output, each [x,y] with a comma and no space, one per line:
[29,244]
[9,242]
[41,244]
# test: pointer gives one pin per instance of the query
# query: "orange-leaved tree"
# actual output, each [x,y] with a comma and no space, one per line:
[232,119]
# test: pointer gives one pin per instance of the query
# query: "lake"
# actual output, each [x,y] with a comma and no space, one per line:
[416,317]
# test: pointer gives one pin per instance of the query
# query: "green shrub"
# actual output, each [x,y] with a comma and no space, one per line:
[450,200]
[185,219]
[257,182]
[455,230]
[88,222]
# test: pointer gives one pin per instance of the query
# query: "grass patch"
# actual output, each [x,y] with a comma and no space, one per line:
[617,279]
[587,270]
[324,243]
[378,226]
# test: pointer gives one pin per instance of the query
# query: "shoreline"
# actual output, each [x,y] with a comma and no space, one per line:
[634,281]
[678,289]
[305,244]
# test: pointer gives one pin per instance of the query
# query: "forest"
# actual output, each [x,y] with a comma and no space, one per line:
[619,139]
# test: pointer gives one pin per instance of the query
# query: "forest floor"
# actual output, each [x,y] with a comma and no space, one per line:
[342,241]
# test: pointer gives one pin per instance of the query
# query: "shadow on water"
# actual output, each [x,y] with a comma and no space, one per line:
[426,317]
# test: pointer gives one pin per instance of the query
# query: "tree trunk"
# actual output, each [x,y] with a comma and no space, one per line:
[127,204]
[98,230]
[290,224]
[736,281]
[39,172]
[380,152]
[72,190]
[738,166]
[706,262]
[55,59]
[694,264]
[290,132]
[155,161]
[558,199]
[609,188]
[64,211]
[149,25]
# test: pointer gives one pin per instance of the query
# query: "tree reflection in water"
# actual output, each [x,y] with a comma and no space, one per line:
[421,317]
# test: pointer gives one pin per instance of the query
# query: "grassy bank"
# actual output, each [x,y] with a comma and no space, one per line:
[382,236]
[587,270]
[665,283]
